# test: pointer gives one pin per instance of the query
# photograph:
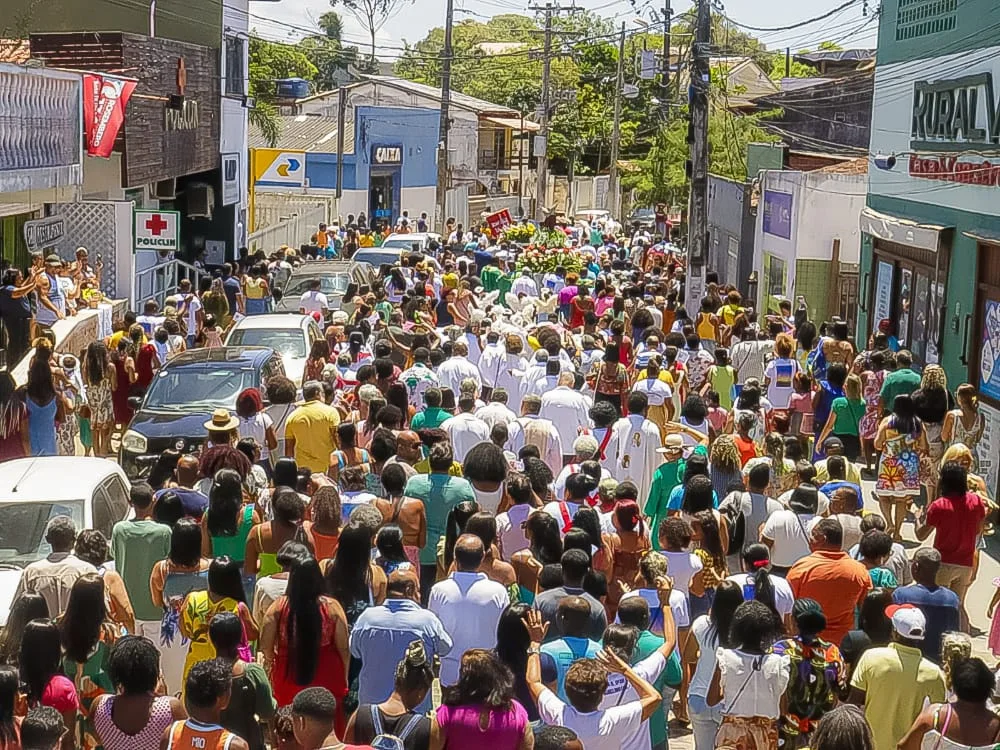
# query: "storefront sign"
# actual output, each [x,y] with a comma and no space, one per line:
[499,221]
[989,356]
[157,230]
[387,156]
[883,294]
[968,170]
[230,179]
[104,102]
[778,214]
[185,118]
[947,114]
[40,234]
[988,450]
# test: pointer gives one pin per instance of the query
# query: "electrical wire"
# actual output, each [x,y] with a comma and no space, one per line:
[806,22]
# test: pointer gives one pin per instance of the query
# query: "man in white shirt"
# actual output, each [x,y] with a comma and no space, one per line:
[546,382]
[53,577]
[496,411]
[637,440]
[419,377]
[453,371]
[492,361]
[192,310]
[603,416]
[567,409]
[531,429]
[465,429]
[510,524]
[468,604]
[524,284]
[584,449]
[313,300]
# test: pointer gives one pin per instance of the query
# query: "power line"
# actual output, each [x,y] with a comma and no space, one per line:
[806,22]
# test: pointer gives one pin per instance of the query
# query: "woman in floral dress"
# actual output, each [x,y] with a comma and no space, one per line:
[903,442]
[873,379]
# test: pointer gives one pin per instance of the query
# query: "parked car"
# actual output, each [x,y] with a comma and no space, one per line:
[291,336]
[91,491]
[341,281]
[183,395]
[395,246]
[644,217]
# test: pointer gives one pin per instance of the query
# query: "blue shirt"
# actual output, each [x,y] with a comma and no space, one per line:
[194,503]
[940,608]
[835,484]
[380,638]
[677,498]
[231,286]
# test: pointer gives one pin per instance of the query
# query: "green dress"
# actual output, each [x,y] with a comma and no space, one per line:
[92,680]
[235,546]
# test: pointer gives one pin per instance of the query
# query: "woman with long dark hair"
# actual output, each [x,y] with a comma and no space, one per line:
[10,726]
[251,700]
[609,378]
[42,681]
[184,570]
[304,639]
[228,520]
[710,631]
[902,442]
[458,517]
[99,376]
[24,609]
[512,646]
[324,528]
[87,633]
[319,358]
[545,547]
[133,715]
[15,435]
[46,408]
[758,583]
[224,594]
[480,710]
[267,538]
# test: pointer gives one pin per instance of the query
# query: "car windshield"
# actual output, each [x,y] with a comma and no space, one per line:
[22,528]
[377,257]
[336,284]
[202,388]
[288,342]
[645,213]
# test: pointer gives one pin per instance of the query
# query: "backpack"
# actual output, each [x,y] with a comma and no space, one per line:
[816,361]
[383,741]
[736,519]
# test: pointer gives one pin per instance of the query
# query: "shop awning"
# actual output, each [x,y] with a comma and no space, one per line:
[514,123]
[984,235]
[903,231]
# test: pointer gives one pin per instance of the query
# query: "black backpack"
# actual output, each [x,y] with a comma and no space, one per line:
[736,520]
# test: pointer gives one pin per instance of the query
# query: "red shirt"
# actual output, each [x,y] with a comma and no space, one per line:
[957,521]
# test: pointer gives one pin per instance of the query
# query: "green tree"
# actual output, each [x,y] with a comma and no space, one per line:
[327,51]
[269,62]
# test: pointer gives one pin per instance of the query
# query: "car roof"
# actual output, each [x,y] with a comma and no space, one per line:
[283,321]
[252,355]
[327,268]
[38,478]
[413,236]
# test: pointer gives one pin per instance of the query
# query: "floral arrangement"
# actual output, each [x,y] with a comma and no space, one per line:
[520,233]
[540,259]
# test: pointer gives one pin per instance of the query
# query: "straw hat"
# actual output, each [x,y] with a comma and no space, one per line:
[222,421]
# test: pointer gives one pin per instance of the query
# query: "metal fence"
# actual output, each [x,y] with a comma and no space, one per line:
[293,230]
[160,281]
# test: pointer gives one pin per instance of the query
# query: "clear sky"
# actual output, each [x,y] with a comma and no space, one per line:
[291,19]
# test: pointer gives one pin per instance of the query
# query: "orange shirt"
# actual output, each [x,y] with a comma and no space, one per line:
[837,582]
[193,735]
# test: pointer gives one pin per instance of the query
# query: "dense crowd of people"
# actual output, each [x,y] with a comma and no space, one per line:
[590,515]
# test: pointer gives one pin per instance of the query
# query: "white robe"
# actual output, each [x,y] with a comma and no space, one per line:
[636,440]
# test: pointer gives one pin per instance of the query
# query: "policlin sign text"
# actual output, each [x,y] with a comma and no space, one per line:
[959,114]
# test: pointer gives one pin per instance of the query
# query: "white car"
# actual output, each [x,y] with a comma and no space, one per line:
[92,491]
[395,246]
[290,335]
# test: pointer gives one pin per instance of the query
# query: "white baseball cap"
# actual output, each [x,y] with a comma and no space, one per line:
[907,620]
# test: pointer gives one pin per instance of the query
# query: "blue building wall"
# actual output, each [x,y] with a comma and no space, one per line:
[414,130]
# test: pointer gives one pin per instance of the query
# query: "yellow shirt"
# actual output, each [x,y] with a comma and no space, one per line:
[896,679]
[116,338]
[853,473]
[313,427]
[366,240]
[664,377]
[322,238]
[450,280]
[728,313]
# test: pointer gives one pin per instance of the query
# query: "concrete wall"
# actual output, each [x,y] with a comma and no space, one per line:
[731,230]
[824,207]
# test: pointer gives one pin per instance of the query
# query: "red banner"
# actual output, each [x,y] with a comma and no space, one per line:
[499,221]
[104,100]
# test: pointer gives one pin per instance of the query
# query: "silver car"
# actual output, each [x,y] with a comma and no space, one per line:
[341,281]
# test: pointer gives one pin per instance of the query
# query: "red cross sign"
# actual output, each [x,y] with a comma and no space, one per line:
[156,225]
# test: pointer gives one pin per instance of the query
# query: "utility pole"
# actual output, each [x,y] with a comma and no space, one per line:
[697,250]
[543,132]
[614,189]
[665,76]
[443,170]
[341,123]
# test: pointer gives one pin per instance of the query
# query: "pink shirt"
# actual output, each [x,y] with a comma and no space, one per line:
[460,726]
[60,694]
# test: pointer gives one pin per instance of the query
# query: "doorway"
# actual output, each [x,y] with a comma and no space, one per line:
[381,194]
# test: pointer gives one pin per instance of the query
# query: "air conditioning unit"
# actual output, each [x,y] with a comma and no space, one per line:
[165,190]
[200,200]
